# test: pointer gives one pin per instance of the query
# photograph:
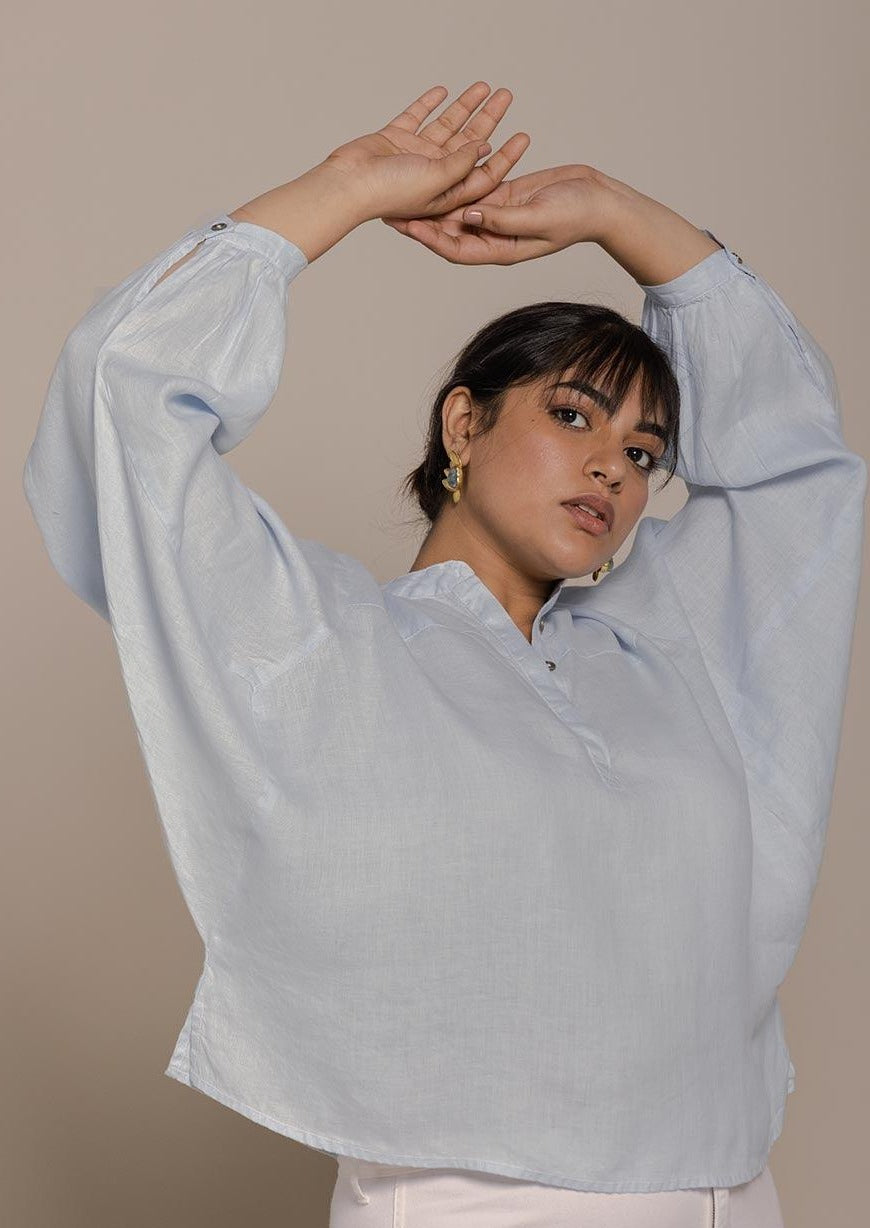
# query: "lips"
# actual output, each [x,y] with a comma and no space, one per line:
[598,503]
[586,520]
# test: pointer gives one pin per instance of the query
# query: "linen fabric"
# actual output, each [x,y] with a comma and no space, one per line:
[467,900]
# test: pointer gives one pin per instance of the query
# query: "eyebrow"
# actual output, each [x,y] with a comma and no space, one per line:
[645,425]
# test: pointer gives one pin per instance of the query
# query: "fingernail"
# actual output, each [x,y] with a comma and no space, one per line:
[485,148]
[472,215]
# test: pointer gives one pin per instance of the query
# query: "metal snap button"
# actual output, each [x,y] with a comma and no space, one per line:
[550,664]
[219,226]
[540,624]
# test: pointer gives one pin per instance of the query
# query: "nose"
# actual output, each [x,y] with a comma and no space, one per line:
[607,473]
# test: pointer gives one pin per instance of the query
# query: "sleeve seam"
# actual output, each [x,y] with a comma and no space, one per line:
[730,276]
[182,247]
[782,313]
[260,679]
[240,241]
[264,678]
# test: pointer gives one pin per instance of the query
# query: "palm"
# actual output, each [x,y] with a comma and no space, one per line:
[400,160]
[399,163]
[561,191]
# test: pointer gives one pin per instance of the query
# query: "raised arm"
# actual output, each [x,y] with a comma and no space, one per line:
[312,212]
[207,592]
[175,366]
[168,371]
[763,560]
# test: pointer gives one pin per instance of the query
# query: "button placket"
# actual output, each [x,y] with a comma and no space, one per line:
[551,665]
[517,650]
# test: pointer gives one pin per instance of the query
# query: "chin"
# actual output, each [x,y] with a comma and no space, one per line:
[582,554]
[576,568]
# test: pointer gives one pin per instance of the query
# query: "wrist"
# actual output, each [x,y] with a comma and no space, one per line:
[313,211]
[653,243]
[607,200]
[616,200]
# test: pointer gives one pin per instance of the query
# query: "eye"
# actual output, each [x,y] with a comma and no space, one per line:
[653,462]
[567,409]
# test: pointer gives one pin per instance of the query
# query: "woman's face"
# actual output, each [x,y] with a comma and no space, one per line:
[552,445]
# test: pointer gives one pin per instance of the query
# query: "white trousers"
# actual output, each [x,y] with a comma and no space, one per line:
[369,1195]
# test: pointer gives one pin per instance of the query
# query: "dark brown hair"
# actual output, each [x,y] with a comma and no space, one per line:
[563,339]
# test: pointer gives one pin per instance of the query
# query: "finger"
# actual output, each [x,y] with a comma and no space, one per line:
[471,248]
[503,219]
[445,175]
[397,224]
[433,237]
[413,115]
[448,171]
[446,125]
[483,124]
[503,160]
[484,179]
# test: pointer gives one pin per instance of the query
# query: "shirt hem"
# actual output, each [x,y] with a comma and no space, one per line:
[321,1142]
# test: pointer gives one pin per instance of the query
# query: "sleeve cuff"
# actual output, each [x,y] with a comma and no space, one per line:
[712,271]
[289,258]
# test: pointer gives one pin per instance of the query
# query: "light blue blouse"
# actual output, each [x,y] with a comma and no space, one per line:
[468,900]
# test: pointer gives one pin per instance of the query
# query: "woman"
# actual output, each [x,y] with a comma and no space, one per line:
[497,877]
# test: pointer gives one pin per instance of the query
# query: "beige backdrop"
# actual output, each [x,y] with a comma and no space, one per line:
[126,124]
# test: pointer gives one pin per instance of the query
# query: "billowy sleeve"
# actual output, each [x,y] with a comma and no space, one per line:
[207,592]
[764,557]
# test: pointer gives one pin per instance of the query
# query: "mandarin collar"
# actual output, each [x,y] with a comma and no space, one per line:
[456,578]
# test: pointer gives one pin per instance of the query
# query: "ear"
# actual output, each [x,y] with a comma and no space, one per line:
[456,420]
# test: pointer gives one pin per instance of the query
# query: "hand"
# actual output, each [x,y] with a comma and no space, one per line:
[532,215]
[407,173]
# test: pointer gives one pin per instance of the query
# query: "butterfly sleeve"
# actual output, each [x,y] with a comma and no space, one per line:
[764,557]
[207,592]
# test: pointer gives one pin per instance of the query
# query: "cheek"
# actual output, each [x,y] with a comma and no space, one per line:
[632,506]
[549,474]
[556,463]
[525,470]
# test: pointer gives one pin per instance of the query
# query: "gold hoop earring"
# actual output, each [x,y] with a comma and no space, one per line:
[600,571]
[453,480]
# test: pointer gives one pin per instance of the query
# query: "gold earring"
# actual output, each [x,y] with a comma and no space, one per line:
[453,480]
[605,567]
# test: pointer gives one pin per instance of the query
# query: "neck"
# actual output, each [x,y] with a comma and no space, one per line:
[521,595]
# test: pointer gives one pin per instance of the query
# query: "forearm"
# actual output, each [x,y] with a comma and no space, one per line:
[651,242]
[314,211]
